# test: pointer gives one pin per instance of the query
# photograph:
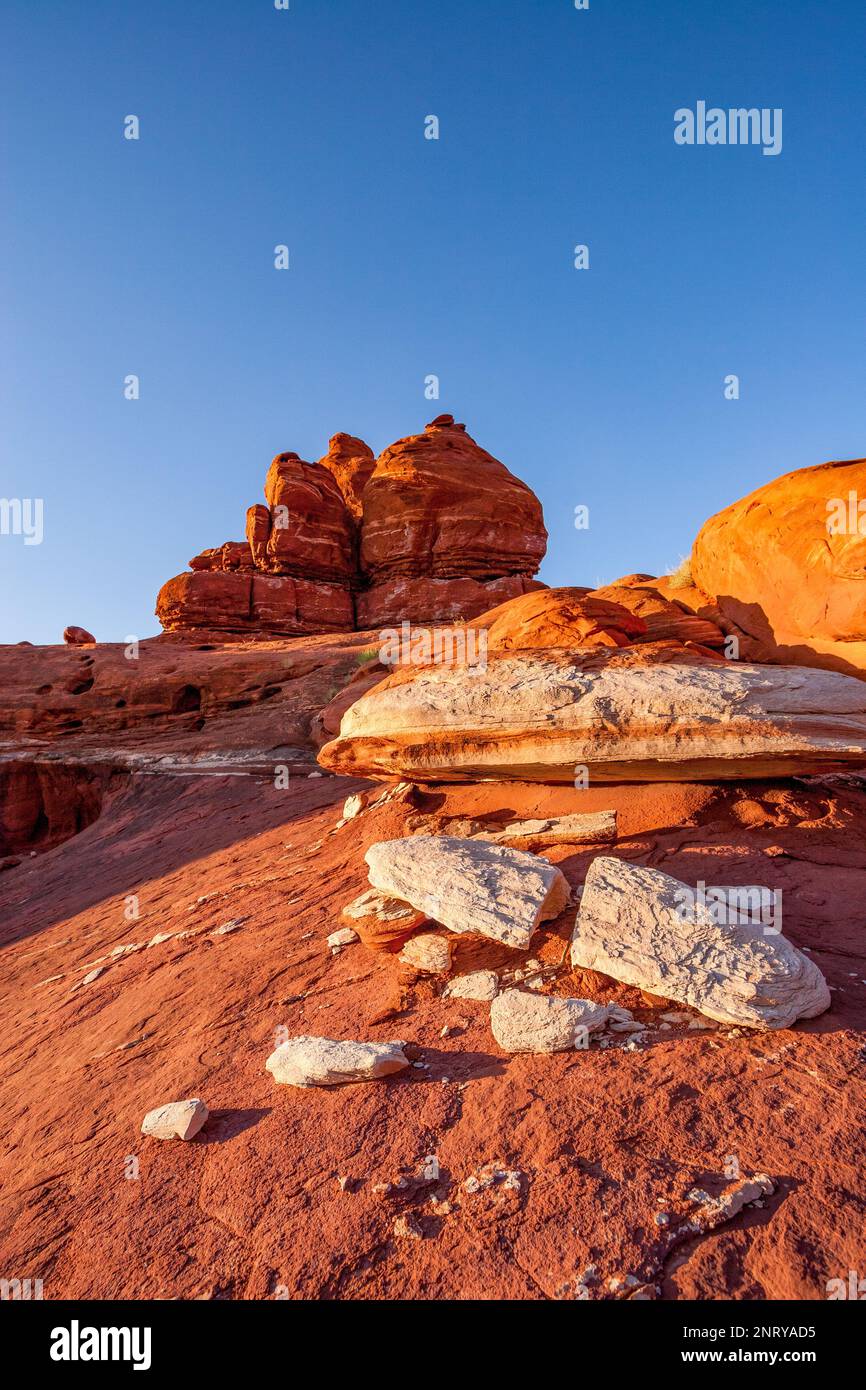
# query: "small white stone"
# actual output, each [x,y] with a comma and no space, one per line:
[226,928]
[180,1119]
[160,937]
[479,984]
[344,937]
[522,1022]
[354,805]
[428,952]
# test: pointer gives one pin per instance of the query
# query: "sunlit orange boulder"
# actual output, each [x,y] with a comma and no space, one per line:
[559,618]
[787,564]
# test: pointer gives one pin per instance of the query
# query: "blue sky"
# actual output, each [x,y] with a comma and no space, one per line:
[410,257]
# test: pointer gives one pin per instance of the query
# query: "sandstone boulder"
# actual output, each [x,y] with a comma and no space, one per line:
[470,885]
[786,564]
[383,923]
[308,1061]
[77,636]
[522,1022]
[180,1119]
[559,618]
[663,618]
[539,716]
[643,928]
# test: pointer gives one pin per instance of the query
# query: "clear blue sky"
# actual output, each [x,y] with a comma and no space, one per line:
[411,257]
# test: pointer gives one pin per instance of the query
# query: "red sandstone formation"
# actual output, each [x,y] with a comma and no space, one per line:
[787,565]
[439,507]
[435,530]
[249,601]
[311,530]
[351,461]
[425,600]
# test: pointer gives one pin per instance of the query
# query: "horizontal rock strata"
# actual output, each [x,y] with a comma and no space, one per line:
[543,716]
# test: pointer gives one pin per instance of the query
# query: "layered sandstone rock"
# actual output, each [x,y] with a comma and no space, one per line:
[293,574]
[542,716]
[439,507]
[248,601]
[351,462]
[311,529]
[787,564]
[560,618]
[422,599]
[434,531]
[643,928]
[597,828]
[663,618]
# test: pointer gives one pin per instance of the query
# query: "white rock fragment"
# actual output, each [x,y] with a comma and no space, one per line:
[478,984]
[308,1061]
[372,903]
[345,936]
[595,828]
[428,953]
[180,1119]
[354,805]
[227,928]
[636,925]
[543,1023]
[160,937]
[93,975]
[470,885]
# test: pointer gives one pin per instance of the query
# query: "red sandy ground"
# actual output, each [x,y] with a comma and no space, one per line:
[603,1140]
